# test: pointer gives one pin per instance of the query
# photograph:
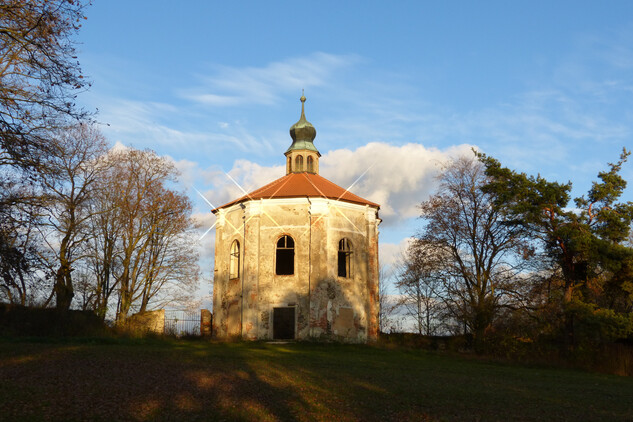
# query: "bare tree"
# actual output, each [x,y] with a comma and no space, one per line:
[143,242]
[421,286]
[106,226]
[39,74]
[70,173]
[387,301]
[84,288]
[480,255]
[170,258]
[23,275]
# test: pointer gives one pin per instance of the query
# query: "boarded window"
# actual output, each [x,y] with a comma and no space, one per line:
[310,164]
[344,323]
[234,265]
[285,263]
[345,258]
[299,163]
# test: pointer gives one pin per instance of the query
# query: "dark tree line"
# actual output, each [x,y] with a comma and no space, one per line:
[502,252]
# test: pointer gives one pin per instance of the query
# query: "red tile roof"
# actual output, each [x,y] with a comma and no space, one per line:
[299,185]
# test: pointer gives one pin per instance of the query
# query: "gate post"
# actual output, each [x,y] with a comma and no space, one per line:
[205,323]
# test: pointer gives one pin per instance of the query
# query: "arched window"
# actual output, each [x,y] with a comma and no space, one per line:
[345,258]
[289,164]
[299,163]
[310,164]
[285,263]
[234,264]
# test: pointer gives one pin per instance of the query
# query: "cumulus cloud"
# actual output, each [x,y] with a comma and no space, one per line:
[119,147]
[205,242]
[396,177]
[390,253]
[202,221]
[244,177]
[188,171]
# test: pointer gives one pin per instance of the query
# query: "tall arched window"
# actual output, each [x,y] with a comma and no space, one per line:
[345,258]
[299,163]
[285,262]
[234,264]
[310,164]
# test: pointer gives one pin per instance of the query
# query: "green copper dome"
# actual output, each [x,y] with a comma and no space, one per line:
[302,132]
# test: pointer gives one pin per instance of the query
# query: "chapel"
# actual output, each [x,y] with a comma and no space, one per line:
[298,257]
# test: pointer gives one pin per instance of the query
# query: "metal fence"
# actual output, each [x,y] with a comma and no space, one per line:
[181,323]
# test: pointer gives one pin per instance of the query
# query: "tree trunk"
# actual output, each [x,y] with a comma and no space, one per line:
[482,319]
[103,294]
[568,319]
[126,303]
[479,339]
[63,280]
[64,292]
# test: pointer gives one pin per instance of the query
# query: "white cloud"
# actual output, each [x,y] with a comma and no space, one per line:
[390,253]
[119,147]
[533,130]
[396,177]
[232,86]
[153,125]
[202,221]
[137,123]
[244,177]
[566,121]
[205,238]
[188,171]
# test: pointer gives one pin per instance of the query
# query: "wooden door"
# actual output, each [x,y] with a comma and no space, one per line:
[284,323]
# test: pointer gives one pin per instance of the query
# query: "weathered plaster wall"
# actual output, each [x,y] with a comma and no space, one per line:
[326,306]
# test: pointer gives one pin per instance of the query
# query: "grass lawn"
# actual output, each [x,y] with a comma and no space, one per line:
[146,380]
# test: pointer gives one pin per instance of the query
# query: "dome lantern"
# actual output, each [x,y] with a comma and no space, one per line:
[302,147]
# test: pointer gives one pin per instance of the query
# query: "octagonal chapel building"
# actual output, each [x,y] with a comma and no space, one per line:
[297,258]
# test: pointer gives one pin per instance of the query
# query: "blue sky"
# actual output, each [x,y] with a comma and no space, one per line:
[397,87]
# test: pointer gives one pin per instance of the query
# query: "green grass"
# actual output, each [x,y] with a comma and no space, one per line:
[145,380]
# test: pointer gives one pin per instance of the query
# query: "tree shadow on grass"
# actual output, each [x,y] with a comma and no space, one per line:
[144,383]
[155,381]
[182,381]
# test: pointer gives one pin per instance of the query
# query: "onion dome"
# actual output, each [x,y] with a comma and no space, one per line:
[302,132]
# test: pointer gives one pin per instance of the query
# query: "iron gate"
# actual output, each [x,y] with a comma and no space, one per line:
[181,323]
